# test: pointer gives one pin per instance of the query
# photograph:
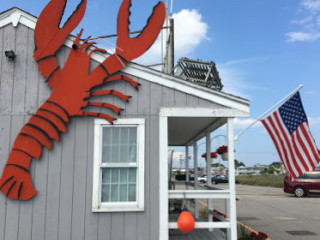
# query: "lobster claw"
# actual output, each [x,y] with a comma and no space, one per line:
[48,36]
[131,48]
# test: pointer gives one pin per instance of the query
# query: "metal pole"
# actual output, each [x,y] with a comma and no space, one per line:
[261,116]
[171,46]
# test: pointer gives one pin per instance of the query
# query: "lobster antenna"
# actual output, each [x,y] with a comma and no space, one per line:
[119,60]
[107,43]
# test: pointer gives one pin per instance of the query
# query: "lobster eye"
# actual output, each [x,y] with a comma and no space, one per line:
[74,46]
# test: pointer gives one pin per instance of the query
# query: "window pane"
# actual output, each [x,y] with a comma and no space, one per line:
[115,175]
[115,153]
[106,154]
[132,192]
[132,175]
[116,135]
[106,135]
[105,186]
[123,193]
[132,154]
[124,153]
[123,175]
[105,193]
[114,193]
[132,136]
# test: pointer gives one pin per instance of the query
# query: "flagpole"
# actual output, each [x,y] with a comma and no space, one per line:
[262,115]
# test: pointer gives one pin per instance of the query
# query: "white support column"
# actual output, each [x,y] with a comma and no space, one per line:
[187,174]
[195,167]
[227,211]
[232,186]
[187,164]
[208,160]
[163,181]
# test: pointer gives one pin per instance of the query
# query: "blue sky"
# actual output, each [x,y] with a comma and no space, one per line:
[263,49]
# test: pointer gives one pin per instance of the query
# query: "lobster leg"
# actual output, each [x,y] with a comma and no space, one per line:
[100,115]
[112,107]
[110,92]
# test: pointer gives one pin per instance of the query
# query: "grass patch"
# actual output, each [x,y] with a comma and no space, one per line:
[262,180]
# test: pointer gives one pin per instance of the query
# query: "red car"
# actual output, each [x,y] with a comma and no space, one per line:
[308,183]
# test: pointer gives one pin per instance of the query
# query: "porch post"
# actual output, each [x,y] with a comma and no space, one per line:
[232,187]
[187,173]
[208,160]
[195,167]
[163,179]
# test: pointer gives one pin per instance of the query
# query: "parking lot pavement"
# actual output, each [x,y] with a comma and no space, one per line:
[281,216]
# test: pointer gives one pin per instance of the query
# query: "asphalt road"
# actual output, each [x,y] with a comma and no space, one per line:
[281,216]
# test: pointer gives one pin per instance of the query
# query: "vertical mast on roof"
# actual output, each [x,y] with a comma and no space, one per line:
[169,54]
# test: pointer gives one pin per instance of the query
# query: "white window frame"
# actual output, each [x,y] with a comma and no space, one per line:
[138,205]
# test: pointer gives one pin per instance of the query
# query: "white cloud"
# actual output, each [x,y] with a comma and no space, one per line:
[303,21]
[302,36]
[189,32]
[309,23]
[312,5]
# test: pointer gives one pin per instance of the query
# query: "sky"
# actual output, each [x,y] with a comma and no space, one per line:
[263,50]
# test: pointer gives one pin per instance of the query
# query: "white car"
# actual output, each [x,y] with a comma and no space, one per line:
[203,179]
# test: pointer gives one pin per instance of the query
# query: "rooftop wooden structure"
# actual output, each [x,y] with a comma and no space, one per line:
[199,72]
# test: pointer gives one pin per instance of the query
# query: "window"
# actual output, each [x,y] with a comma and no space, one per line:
[118,175]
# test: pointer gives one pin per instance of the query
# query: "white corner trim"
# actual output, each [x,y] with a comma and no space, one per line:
[163,179]
[16,16]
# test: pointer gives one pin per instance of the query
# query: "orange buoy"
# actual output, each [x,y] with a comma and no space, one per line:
[186,222]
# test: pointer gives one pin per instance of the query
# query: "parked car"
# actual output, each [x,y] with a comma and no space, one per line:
[203,178]
[220,179]
[308,183]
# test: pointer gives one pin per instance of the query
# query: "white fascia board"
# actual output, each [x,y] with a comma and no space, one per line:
[16,16]
[202,112]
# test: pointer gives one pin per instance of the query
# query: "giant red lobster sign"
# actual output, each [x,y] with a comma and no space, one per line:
[72,85]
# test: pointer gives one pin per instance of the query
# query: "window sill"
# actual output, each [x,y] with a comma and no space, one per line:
[113,208]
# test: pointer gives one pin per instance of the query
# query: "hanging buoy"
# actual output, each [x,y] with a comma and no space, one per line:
[186,222]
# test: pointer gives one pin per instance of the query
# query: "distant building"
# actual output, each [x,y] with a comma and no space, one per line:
[255,170]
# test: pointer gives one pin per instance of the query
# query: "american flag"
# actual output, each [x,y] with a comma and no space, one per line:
[289,130]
